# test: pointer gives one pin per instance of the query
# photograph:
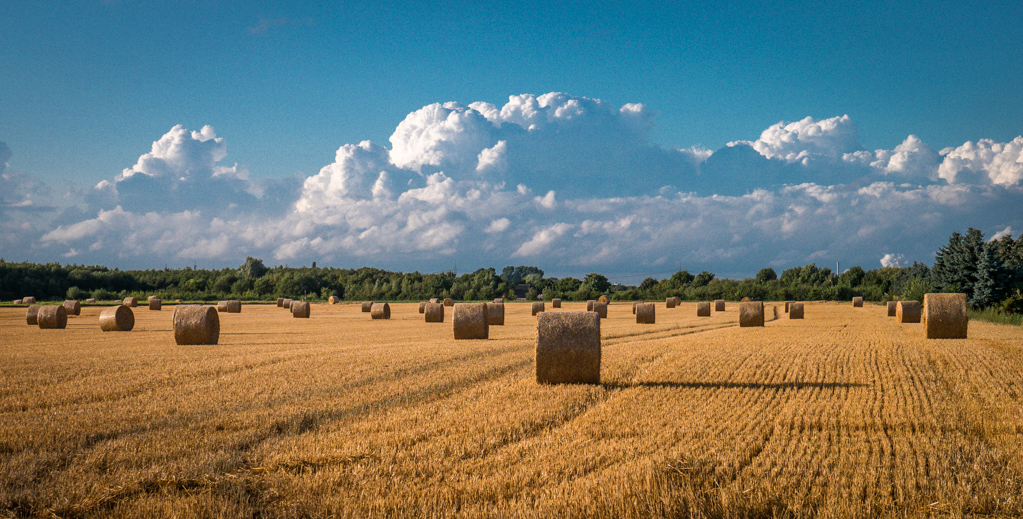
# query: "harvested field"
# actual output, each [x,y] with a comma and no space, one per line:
[845,413]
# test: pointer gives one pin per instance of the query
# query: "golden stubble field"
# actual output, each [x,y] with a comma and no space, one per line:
[843,414]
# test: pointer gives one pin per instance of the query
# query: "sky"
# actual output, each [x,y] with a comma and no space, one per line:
[627,138]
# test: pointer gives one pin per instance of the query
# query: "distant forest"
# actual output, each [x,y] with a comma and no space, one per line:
[989,272]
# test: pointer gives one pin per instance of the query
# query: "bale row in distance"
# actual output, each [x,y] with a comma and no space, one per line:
[367,306]
[422,307]
[645,313]
[196,324]
[719,305]
[232,306]
[300,309]
[568,348]
[495,314]
[857,302]
[907,312]
[751,313]
[72,307]
[795,310]
[380,311]
[16,302]
[118,318]
[51,317]
[470,321]
[280,302]
[944,316]
[434,300]
[30,300]
[91,300]
[434,313]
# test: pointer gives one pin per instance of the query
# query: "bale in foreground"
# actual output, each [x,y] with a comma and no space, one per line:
[719,305]
[907,312]
[891,308]
[857,302]
[155,304]
[434,313]
[72,307]
[795,310]
[568,348]
[556,303]
[645,313]
[119,318]
[537,307]
[495,314]
[300,309]
[32,315]
[52,317]
[944,316]
[703,309]
[470,321]
[601,308]
[367,306]
[380,311]
[196,324]
[751,313]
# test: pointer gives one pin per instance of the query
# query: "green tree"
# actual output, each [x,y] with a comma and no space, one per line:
[702,279]
[992,278]
[766,274]
[597,283]
[852,277]
[253,268]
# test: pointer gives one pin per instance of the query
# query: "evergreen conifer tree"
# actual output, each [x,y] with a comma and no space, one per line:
[992,278]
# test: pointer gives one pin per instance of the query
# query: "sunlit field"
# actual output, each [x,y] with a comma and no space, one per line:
[845,413]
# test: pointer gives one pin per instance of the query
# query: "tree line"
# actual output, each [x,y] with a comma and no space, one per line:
[990,272]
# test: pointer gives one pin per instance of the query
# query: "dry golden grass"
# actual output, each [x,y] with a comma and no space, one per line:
[843,414]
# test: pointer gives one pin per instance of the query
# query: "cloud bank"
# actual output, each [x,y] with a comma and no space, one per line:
[567,183]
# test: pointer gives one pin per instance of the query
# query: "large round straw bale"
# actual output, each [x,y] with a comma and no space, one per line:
[555,303]
[300,309]
[16,301]
[118,318]
[222,307]
[470,321]
[28,300]
[857,302]
[537,307]
[751,313]
[589,305]
[286,304]
[280,302]
[499,300]
[719,305]
[433,313]
[434,300]
[645,313]
[234,306]
[604,299]
[91,300]
[333,300]
[795,310]
[155,304]
[495,314]
[449,302]
[944,316]
[196,324]
[291,305]
[367,306]
[601,308]
[73,307]
[568,348]
[131,302]
[744,300]
[52,317]
[891,308]
[150,298]
[634,305]
[669,302]
[703,309]
[422,307]
[380,311]
[907,312]
[32,315]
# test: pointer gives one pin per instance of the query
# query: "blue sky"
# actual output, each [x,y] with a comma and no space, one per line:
[89,87]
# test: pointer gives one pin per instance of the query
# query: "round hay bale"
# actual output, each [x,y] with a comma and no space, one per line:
[130,302]
[795,310]
[857,302]
[434,300]
[422,307]
[604,299]
[787,303]
[234,306]
[32,315]
[589,305]
[537,307]
[300,309]
[703,309]
[907,312]
[499,300]
[669,302]
[434,313]
[196,324]
[944,316]
[891,308]
[719,305]
[90,300]
[52,317]
[16,301]
[556,303]
[150,298]
[751,313]
[222,307]
[601,308]
[568,348]
[380,311]
[286,304]
[333,300]
[367,306]
[28,300]
[155,304]
[449,302]
[470,321]
[280,302]
[495,314]
[745,300]
[72,307]
[118,318]
[291,305]
[645,313]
